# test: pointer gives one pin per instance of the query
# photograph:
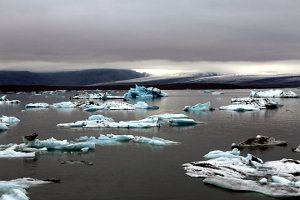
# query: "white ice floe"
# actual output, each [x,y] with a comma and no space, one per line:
[273,94]
[54,144]
[16,189]
[144,105]
[64,104]
[144,93]
[240,107]
[3,126]
[296,149]
[231,171]
[37,105]
[9,120]
[10,152]
[116,139]
[198,107]
[108,105]
[152,121]
[261,103]
[3,99]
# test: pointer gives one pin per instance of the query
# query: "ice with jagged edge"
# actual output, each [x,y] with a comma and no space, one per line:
[64,104]
[9,120]
[273,94]
[16,189]
[9,151]
[144,93]
[198,107]
[109,105]
[3,99]
[37,105]
[240,107]
[296,149]
[232,171]
[261,103]
[117,139]
[151,121]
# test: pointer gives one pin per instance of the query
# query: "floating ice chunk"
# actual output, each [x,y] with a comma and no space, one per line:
[93,108]
[153,141]
[3,99]
[3,126]
[259,141]
[198,107]
[9,120]
[182,122]
[144,105]
[262,103]
[274,190]
[167,116]
[54,144]
[296,149]
[144,93]
[233,172]
[16,189]
[65,104]
[217,153]
[240,107]
[273,94]
[11,153]
[97,117]
[217,92]
[37,105]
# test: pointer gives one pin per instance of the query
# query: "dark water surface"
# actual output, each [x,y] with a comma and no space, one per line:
[133,171]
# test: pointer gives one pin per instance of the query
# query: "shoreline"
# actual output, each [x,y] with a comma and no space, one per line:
[183,86]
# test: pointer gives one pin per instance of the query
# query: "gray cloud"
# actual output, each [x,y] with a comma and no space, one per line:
[108,31]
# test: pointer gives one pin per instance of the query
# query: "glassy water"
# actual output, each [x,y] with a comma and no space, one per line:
[135,171]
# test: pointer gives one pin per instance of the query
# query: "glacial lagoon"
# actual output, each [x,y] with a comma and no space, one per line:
[136,171]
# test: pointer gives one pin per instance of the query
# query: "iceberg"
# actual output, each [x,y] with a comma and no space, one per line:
[16,189]
[64,104]
[144,93]
[10,152]
[9,120]
[198,107]
[230,170]
[3,126]
[109,105]
[261,103]
[144,105]
[240,107]
[3,99]
[259,141]
[37,105]
[273,94]
[111,139]
[54,144]
[296,149]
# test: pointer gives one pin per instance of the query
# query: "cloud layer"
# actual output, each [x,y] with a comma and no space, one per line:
[65,33]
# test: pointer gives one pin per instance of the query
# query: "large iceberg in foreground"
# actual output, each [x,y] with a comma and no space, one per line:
[231,171]
[273,94]
[143,92]
[16,189]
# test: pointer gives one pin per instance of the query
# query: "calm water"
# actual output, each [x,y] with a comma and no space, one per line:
[132,171]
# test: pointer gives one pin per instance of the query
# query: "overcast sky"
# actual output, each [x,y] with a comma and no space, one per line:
[238,36]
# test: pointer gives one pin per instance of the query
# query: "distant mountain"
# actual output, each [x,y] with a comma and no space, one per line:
[216,80]
[67,78]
